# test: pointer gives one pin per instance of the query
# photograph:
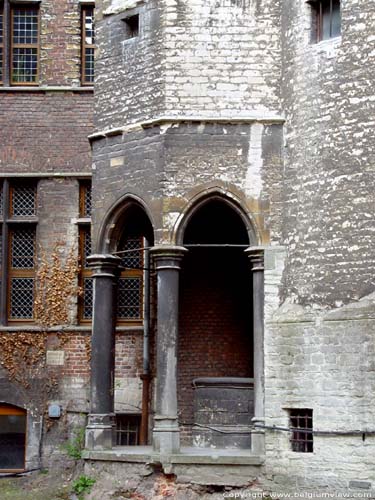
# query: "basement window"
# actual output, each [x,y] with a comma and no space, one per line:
[301,424]
[326,20]
[127,429]
[12,438]
[132,26]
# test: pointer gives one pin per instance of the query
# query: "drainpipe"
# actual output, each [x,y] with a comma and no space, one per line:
[145,377]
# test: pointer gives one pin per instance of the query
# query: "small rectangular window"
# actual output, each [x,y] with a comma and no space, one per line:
[25,45]
[86,281]
[85,199]
[21,273]
[23,201]
[127,430]
[88,44]
[132,26]
[301,423]
[326,19]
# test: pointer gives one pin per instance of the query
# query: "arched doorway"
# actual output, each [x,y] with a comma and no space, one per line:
[12,438]
[215,324]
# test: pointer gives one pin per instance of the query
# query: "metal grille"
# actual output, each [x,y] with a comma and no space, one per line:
[129,298]
[87,201]
[23,201]
[1,201]
[132,260]
[21,298]
[22,248]
[86,250]
[127,430]
[87,298]
[301,440]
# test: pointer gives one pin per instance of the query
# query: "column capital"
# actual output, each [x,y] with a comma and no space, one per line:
[256,257]
[168,256]
[105,265]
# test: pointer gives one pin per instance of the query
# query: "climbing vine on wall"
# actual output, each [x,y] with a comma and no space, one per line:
[56,287]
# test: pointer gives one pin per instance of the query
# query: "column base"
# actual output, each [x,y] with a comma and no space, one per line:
[100,432]
[258,437]
[166,435]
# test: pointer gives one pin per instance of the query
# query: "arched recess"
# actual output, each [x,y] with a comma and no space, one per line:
[129,214]
[12,437]
[215,323]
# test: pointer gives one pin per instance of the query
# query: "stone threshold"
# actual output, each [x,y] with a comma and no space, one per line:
[188,455]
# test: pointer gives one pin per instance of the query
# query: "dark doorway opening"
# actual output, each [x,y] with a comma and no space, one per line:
[215,329]
[12,438]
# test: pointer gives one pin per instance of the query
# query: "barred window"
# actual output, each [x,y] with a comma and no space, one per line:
[85,199]
[23,201]
[21,273]
[127,429]
[18,202]
[25,45]
[1,41]
[86,281]
[326,19]
[301,422]
[88,44]
[130,286]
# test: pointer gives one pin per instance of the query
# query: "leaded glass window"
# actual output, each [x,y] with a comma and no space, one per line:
[25,41]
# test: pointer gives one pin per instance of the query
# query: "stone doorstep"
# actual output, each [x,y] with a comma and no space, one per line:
[199,456]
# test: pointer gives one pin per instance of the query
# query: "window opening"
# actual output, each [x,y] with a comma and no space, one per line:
[12,438]
[18,202]
[85,279]
[88,44]
[301,422]
[127,429]
[327,19]
[130,285]
[132,26]
[25,45]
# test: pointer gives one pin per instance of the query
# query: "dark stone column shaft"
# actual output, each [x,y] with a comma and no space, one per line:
[100,427]
[166,431]
[256,256]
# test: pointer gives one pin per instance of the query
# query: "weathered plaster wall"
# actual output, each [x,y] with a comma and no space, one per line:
[222,57]
[329,161]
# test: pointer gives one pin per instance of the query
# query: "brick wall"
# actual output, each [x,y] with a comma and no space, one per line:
[215,338]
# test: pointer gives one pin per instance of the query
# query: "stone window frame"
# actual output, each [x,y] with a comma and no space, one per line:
[86,7]
[9,225]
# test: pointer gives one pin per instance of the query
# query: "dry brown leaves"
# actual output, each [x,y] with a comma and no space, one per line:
[56,287]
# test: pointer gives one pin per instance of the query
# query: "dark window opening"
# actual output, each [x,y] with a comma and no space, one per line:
[132,26]
[88,44]
[25,45]
[326,19]
[301,423]
[127,429]
[12,438]
[85,279]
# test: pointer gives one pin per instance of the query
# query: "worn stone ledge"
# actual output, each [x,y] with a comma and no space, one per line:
[163,120]
[145,454]
[81,175]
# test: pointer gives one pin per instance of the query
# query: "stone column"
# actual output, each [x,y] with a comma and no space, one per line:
[256,256]
[99,431]
[166,433]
